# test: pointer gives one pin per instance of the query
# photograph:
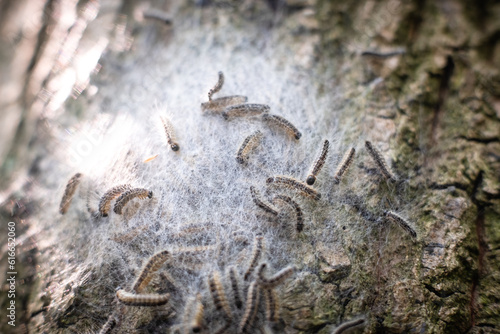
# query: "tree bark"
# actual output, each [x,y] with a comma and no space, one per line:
[418,79]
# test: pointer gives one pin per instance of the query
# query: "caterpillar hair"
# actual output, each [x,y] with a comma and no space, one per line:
[69,192]
[233,277]
[379,161]
[219,296]
[128,195]
[258,246]
[318,164]
[348,325]
[155,14]
[217,86]
[290,182]
[284,124]
[245,109]
[220,104]
[344,164]
[169,133]
[250,143]
[277,279]
[154,263]
[272,305]
[401,222]
[195,249]
[251,308]
[111,194]
[131,299]
[260,203]
[109,325]
[151,158]
[295,206]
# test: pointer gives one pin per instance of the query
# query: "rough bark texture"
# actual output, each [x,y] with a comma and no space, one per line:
[419,78]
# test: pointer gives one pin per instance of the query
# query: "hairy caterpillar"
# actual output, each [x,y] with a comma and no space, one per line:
[277,279]
[258,246]
[154,263]
[284,124]
[348,325]
[128,195]
[290,182]
[169,133]
[250,143]
[217,86]
[296,207]
[126,237]
[131,299]
[219,296]
[156,14]
[111,194]
[233,277]
[379,160]
[260,203]
[252,306]
[69,192]
[272,305]
[344,164]
[318,164]
[245,109]
[401,222]
[195,249]
[193,315]
[219,104]
[109,325]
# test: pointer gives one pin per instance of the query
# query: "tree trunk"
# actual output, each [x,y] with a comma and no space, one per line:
[419,80]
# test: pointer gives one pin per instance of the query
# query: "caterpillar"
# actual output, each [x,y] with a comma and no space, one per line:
[109,325]
[69,192]
[260,203]
[111,194]
[258,246]
[283,123]
[126,237]
[250,143]
[220,104]
[217,86]
[290,182]
[245,109]
[348,325]
[401,222]
[273,281]
[219,296]
[156,14]
[128,195]
[296,207]
[196,249]
[379,160]
[169,133]
[197,321]
[318,164]
[344,164]
[272,305]
[154,263]
[233,277]
[193,315]
[131,299]
[252,306]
